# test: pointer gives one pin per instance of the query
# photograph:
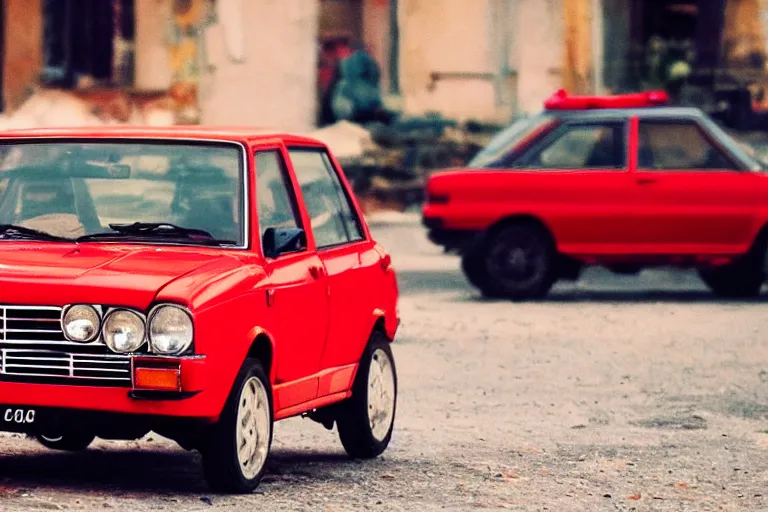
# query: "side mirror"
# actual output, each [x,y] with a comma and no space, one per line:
[277,241]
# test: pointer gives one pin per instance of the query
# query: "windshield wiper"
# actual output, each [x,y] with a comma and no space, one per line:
[15,232]
[152,230]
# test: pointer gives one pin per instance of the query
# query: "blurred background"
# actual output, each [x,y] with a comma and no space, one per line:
[396,87]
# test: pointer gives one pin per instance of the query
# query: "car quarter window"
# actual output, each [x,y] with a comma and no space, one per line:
[334,220]
[598,145]
[677,145]
[276,201]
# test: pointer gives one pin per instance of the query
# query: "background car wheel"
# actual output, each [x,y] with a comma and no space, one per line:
[472,267]
[733,281]
[518,263]
[236,449]
[365,420]
[743,278]
[70,441]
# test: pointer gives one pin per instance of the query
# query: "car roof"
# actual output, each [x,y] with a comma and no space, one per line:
[624,113]
[247,135]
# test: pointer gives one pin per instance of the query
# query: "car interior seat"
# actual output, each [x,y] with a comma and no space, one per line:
[46,198]
[645,158]
[204,200]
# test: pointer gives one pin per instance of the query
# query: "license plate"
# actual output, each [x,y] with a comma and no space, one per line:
[18,416]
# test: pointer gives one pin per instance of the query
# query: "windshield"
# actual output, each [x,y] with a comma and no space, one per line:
[75,189]
[504,141]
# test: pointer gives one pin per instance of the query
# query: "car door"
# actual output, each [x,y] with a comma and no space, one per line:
[297,293]
[691,196]
[576,178]
[350,260]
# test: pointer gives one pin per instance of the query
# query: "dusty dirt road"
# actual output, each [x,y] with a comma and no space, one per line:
[615,394]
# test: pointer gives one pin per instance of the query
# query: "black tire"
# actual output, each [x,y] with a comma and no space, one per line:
[733,281]
[221,464]
[68,442]
[472,267]
[741,279]
[352,417]
[517,262]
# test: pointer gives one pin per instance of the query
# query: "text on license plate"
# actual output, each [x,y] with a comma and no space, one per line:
[19,416]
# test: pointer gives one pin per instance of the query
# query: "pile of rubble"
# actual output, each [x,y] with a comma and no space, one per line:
[49,108]
[388,165]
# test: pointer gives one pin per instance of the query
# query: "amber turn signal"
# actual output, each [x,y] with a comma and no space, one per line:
[164,379]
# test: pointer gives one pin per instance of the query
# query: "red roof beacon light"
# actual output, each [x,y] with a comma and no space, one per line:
[562,101]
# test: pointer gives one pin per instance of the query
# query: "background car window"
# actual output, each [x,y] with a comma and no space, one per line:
[274,193]
[334,220]
[677,146]
[593,146]
[497,152]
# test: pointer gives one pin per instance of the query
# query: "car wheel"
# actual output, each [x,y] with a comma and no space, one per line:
[472,268]
[70,441]
[518,263]
[733,281]
[741,279]
[365,420]
[236,449]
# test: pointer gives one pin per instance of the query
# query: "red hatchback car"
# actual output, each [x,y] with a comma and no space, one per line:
[198,283]
[621,181]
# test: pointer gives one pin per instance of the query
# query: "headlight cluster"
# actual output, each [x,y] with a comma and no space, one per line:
[123,331]
[168,330]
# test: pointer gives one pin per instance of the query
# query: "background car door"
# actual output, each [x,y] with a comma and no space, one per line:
[297,291]
[350,261]
[577,179]
[690,196]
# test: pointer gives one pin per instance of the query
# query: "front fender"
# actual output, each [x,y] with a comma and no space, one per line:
[224,333]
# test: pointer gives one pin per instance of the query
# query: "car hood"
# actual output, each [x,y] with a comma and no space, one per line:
[56,274]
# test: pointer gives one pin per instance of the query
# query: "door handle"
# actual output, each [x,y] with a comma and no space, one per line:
[646,181]
[316,271]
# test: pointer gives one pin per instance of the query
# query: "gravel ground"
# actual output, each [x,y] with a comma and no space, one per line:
[618,393]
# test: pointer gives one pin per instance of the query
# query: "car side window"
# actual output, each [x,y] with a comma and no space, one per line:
[579,146]
[679,146]
[274,193]
[334,220]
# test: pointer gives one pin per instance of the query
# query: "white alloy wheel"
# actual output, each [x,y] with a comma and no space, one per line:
[381,394]
[253,428]
[366,419]
[236,448]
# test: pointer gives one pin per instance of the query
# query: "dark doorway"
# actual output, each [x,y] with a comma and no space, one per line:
[698,23]
[79,40]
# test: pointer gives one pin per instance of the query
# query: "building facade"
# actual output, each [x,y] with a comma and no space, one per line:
[248,62]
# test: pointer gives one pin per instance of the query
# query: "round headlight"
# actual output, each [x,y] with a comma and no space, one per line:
[81,323]
[123,331]
[170,330]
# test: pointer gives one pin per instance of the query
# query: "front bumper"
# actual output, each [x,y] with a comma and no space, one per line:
[188,400]
[36,420]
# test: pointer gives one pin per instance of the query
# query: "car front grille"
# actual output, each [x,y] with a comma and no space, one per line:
[33,349]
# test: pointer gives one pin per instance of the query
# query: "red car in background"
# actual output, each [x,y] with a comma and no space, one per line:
[622,181]
[199,283]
